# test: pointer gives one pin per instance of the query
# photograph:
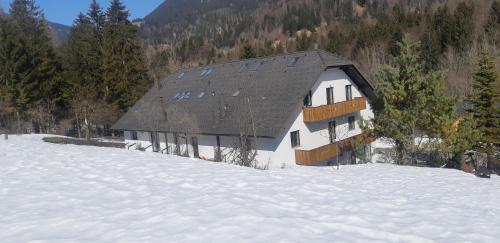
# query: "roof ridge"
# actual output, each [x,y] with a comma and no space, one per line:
[253,59]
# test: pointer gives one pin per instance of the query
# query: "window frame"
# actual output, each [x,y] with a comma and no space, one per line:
[308,99]
[348,92]
[332,131]
[351,122]
[133,136]
[329,96]
[295,139]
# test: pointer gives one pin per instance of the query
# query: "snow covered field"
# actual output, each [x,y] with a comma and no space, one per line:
[66,193]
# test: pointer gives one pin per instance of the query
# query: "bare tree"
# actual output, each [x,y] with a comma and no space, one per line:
[91,111]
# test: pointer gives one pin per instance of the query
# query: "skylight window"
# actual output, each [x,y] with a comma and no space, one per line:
[254,66]
[293,62]
[177,96]
[182,96]
[205,72]
[243,67]
[186,95]
[181,75]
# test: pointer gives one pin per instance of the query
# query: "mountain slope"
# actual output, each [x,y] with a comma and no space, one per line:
[59,33]
[197,32]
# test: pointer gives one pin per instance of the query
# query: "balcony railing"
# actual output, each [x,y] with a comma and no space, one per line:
[329,151]
[326,112]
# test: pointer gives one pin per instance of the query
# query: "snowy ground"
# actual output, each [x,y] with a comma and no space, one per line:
[66,193]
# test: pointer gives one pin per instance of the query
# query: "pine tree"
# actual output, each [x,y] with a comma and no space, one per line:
[492,26]
[117,13]
[485,101]
[124,67]
[411,103]
[463,27]
[247,52]
[36,84]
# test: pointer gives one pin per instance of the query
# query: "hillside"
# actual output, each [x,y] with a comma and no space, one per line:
[193,32]
[59,33]
[88,194]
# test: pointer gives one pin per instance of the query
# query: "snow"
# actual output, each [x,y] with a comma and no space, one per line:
[66,193]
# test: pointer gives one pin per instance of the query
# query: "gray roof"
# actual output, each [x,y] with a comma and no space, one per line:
[263,92]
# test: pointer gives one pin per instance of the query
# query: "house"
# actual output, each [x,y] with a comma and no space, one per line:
[299,108]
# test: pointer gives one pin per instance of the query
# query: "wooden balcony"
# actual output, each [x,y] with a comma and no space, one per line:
[326,112]
[329,151]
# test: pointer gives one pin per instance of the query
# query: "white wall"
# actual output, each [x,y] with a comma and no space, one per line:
[278,152]
[314,135]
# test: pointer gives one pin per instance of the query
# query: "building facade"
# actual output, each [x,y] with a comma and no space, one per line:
[294,109]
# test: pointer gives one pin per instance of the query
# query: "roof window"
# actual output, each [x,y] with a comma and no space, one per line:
[179,96]
[244,67]
[293,62]
[181,75]
[205,72]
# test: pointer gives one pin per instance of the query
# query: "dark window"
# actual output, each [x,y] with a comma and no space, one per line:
[329,95]
[348,92]
[133,135]
[244,67]
[206,72]
[352,123]
[194,142]
[177,148]
[295,136]
[181,75]
[331,131]
[293,61]
[218,152]
[155,141]
[308,99]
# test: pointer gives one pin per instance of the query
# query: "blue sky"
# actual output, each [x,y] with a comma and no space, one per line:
[65,11]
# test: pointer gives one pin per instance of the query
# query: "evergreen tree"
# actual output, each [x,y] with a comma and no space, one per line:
[492,27]
[117,13]
[485,101]
[463,29]
[247,52]
[124,67]
[411,103]
[96,16]
[36,84]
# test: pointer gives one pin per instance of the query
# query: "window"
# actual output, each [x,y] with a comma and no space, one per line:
[182,95]
[329,95]
[155,141]
[133,135]
[295,136]
[331,131]
[348,92]
[177,96]
[243,67]
[293,61]
[194,143]
[205,72]
[181,75]
[254,66]
[352,123]
[308,99]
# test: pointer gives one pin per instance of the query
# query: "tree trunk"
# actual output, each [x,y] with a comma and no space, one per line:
[78,129]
